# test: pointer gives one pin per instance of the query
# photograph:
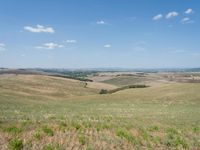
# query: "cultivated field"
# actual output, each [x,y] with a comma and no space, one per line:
[40,112]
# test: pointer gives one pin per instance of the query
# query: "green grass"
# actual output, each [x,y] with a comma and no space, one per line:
[37,135]
[48,131]
[124,134]
[165,116]
[15,144]
[126,80]
[13,130]
[82,140]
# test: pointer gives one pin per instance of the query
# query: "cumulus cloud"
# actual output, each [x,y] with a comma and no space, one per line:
[107,46]
[71,41]
[39,29]
[171,14]
[49,46]
[157,17]
[2,47]
[189,11]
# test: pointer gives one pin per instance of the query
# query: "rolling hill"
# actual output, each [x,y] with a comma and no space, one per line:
[42,111]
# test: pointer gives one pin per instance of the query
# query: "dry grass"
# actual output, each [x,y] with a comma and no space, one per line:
[44,86]
[161,117]
[99,86]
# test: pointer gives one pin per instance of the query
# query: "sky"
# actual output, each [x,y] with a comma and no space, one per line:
[99,33]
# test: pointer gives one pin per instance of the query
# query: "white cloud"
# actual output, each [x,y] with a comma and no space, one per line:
[39,29]
[157,17]
[101,22]
[71,41]
[2,47]
[107,46]
[189,11]
[49,46]
[187,20]
[171,14]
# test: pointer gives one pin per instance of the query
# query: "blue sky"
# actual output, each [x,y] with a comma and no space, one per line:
[99,33]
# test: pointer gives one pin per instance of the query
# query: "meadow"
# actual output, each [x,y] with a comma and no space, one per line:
[52,113]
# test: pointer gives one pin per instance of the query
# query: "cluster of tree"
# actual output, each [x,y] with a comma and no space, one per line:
[72,77]
[103,91]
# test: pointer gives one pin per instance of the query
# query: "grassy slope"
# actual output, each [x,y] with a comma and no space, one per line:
[126,80]
[38,85]
[138,118]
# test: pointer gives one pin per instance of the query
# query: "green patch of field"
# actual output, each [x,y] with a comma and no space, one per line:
[126,80]
[160,117]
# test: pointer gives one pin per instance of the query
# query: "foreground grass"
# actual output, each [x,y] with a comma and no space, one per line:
[164,117]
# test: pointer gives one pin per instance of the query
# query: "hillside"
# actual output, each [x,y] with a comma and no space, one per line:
[56,112]
[42,86]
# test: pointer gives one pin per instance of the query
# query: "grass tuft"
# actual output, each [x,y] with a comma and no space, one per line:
[13,130]
[15,144]
[124,134]
[48,131]
[37,135]
[82,139]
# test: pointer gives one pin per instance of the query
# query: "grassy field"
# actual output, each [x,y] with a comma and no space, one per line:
[39,112]
[128,80]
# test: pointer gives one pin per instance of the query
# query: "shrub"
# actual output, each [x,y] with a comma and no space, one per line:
[127,87]
[103,91]
[15,144]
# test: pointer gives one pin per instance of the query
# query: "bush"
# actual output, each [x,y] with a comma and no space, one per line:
[126,87]
[15,144]
[103,91]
